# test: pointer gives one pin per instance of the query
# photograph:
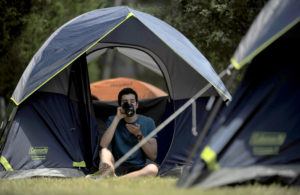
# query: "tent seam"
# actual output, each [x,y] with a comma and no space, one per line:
[264,45]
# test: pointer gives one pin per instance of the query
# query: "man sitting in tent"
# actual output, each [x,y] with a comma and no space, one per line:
[124,131]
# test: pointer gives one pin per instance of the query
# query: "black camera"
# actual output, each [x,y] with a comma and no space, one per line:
[129,109]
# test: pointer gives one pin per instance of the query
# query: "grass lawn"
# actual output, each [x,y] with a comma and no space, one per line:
[116,186]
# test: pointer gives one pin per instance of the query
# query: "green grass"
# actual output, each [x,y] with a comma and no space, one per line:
[115,186]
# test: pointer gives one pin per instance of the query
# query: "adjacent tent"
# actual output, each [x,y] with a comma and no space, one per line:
[107,90]
[257,137]
[52,130]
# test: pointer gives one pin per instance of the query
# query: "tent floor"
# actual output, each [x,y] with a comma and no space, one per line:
[45,172]
[285,174]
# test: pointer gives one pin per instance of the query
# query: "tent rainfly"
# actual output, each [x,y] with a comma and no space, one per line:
[256,137]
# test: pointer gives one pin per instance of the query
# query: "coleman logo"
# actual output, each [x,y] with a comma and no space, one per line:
[267,138]
[266,143]
[38,150]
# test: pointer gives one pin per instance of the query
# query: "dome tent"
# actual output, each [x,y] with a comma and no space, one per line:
[256,138]
[58,73]
[107,90]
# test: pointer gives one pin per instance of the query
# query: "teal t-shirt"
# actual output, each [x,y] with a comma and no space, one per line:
[123,140]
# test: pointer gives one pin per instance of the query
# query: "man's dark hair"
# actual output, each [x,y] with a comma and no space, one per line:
[126,91]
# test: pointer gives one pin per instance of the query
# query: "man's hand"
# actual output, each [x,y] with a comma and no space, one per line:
[150,147]
[109,133]
[120,113]
[134,129]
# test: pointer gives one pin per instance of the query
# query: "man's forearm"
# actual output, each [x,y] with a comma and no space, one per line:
[109,133]
[150,148]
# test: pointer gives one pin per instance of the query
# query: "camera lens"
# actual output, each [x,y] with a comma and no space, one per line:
[129,109]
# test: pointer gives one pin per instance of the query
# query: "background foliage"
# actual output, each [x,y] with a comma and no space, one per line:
[215,27]
[25,25]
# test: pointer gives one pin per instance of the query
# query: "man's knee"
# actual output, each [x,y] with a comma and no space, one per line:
[105,151]
[106,155]
[151,170]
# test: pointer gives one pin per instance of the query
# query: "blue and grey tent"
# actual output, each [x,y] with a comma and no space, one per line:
[52,131]
[257,138]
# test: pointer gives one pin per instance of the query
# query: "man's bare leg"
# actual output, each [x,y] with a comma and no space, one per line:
[106,166]
[147,171]
[107,157]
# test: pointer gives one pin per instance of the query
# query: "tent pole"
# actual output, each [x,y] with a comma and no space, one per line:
[207,126]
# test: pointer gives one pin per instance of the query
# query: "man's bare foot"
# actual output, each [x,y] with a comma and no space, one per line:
[106,170]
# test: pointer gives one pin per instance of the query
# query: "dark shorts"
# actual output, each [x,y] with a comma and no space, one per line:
[125,168]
